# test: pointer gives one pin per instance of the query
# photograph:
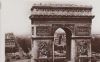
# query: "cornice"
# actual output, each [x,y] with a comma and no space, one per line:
[60,6]
[60,16]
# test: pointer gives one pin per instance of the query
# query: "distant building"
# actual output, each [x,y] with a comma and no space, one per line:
[9,40]
[10,45]
[60,37]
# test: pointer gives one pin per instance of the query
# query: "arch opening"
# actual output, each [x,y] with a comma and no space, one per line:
[62,45]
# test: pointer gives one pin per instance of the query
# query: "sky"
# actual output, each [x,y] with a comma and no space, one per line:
[15,15]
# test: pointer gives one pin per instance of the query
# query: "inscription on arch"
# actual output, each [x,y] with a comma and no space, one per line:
[43,30]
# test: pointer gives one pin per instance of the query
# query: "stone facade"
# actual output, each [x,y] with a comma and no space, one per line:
[74,20]
[9,40]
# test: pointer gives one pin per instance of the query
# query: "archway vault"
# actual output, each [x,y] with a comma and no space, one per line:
[64,33]
[66,27]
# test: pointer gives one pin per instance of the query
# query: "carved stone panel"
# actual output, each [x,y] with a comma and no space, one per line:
[45,48]
[43,30]
[82,30]
[83,47]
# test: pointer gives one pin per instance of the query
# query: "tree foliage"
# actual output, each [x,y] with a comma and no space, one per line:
[24,43]
[95,45]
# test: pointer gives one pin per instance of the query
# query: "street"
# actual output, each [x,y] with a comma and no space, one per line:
[24,60]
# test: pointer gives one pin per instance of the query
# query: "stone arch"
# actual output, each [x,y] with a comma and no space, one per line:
[68,34]
[63,26]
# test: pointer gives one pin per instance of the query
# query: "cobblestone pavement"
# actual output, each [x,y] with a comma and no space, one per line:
[24,60]
[98,61]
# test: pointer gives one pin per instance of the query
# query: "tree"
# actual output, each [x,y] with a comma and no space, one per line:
[96,45]
[25,43]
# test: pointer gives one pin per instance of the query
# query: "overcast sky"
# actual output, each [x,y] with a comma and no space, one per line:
[15,15]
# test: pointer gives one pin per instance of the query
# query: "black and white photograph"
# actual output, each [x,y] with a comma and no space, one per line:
[49,31]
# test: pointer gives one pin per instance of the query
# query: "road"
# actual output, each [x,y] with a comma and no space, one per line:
[24,60]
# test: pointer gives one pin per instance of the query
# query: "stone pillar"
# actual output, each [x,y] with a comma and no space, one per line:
[73,48]
[90,54]
[34,50]
[34,46]
[34,30]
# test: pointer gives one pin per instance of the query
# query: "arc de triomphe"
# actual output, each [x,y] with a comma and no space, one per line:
[75,20]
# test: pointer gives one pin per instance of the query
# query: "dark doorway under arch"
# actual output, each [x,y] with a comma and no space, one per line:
[65,33]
